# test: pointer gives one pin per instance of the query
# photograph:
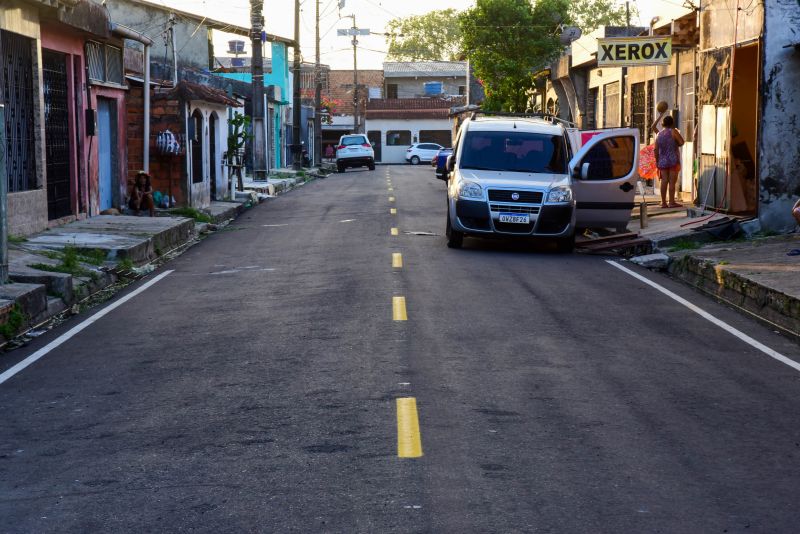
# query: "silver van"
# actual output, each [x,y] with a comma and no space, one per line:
[528,177]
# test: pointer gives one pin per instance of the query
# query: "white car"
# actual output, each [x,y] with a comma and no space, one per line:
[530,177]
[419,152]
[354,150]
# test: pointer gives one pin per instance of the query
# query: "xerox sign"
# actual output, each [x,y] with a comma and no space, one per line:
[634,51]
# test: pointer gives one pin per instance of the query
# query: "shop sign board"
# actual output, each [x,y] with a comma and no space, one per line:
[634,51]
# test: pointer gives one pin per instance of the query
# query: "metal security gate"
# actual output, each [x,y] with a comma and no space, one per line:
[638,109]
[16,92]
[591,109]
[57,135]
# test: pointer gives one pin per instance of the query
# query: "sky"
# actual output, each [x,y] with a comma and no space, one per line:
[370,14]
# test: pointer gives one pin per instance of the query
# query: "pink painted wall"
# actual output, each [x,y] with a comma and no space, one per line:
[85,174]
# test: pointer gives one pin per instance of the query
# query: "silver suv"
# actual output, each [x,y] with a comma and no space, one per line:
[354,150]
[530,177]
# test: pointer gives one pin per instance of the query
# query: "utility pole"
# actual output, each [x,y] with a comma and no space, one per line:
[355,32]
[356,125]
[297,105]
[257,69]
[628,14]
[317,102]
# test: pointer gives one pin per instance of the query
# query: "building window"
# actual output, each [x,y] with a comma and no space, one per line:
[611,105]
[462,90]
[398,138]
[391,90]
[440,137]
[105,63]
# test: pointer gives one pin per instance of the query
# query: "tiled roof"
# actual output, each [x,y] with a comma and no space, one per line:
[403,69]
[408,114]
[415,103]
[412,108]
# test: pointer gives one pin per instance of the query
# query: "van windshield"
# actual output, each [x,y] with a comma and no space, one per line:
[514,152]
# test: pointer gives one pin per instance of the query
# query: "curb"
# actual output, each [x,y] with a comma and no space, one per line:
[766,303]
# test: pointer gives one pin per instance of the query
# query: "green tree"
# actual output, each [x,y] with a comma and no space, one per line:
[434,36]
[589,15]
[507,42]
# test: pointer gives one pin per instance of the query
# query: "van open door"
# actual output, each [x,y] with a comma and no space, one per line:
[604,173]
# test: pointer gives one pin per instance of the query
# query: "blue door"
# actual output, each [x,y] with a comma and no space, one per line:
[106,140]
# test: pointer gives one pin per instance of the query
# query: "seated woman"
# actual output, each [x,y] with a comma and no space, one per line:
[796,211]
[142,194]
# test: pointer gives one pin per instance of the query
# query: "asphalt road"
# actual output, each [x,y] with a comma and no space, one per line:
[254,388]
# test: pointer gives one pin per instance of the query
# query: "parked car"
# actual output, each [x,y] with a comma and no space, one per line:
[439,162]
[354,150]
[528,177]
[419,152]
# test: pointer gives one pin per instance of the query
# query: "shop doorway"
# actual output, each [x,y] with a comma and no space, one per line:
[743,177]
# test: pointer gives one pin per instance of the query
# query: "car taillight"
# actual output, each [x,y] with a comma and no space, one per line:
[366,145]
[340,147]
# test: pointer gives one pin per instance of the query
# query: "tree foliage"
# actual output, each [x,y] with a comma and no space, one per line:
[589,15]
[434,36]
[507,42]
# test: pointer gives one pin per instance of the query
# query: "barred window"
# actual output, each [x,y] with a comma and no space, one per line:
[105,63]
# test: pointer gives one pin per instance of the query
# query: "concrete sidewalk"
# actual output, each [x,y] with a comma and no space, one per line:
[753,273]
[54,270]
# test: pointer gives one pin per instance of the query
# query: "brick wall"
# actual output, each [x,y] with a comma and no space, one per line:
[167,172]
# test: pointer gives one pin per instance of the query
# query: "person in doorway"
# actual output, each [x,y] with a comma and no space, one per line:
[142,194]
[668,161]
[329,153]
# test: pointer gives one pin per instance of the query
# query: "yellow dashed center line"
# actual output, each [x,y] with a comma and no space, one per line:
[409,442]
[399,309]
[390,189]
[394,231]
[393,211]
[397,260]
[391,199]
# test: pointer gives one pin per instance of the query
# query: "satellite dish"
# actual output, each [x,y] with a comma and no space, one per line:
[570,34]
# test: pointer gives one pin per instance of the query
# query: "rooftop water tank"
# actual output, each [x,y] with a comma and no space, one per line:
[235,47]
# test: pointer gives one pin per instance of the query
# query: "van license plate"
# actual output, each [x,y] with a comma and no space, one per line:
[516,218]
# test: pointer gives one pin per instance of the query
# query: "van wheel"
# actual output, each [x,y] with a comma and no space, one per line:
[454,238]
[415,160]
[371,166]
[566,244]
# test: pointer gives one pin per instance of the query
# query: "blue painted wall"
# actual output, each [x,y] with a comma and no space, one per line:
[279,77]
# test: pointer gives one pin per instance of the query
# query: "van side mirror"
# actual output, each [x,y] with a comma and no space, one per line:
[451,164]
[585,170]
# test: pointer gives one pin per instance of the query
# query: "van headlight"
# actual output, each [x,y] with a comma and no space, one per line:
[559,194]
[470,190]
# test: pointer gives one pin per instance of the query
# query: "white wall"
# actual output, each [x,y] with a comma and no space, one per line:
[397,154]
[200,193]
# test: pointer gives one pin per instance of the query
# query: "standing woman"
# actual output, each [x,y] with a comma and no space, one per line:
[668,160]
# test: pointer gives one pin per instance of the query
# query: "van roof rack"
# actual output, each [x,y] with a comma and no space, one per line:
[475,111]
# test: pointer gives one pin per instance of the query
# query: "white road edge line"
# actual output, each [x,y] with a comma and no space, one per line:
[704,314]
[76,329]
